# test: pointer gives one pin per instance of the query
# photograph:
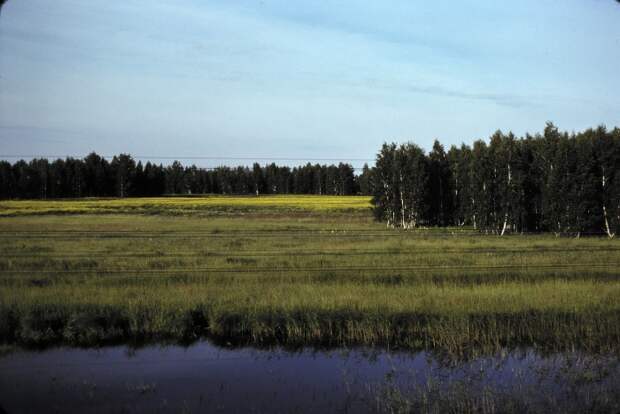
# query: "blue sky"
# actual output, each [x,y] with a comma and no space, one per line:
[276,78]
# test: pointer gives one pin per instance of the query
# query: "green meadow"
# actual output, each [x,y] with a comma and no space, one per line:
[294,271]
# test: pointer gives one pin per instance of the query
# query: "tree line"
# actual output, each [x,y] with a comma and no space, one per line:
[94,176]
[554,181]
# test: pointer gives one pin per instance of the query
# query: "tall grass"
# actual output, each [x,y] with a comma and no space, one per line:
[331,279]
[554,315]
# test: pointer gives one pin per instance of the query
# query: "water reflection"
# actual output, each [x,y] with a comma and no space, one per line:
[204,377]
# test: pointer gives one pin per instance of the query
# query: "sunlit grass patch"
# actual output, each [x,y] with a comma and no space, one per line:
[336,279]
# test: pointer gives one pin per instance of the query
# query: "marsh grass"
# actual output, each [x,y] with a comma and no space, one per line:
[569,383]
[276,276]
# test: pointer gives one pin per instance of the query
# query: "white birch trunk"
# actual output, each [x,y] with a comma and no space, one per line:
[506,214]
[505,224]
[607,229]
[403,210]
[402,213]
[609,233]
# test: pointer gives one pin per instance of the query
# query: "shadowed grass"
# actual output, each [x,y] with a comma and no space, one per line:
[549,314]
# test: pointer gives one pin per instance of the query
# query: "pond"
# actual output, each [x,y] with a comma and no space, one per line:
[206,378]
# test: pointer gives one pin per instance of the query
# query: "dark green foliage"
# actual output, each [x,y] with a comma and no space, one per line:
[440,187]
[94,176]
[401,182]
[385,187]
[551,182]
[366,181]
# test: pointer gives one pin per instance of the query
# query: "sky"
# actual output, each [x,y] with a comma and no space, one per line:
[298,79]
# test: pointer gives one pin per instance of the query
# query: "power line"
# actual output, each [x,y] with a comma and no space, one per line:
[254,253]
[425,268]
[419,231]
[283,235]
[228,233]
[242,231]
[148,158]
[210,235]
[195,158]
[222,236]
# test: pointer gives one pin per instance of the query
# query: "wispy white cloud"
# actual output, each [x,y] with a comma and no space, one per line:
[216,75]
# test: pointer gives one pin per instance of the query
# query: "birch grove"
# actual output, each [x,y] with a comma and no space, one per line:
[563,183]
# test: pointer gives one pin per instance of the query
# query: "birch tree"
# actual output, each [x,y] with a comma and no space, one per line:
[607,153]
[384,197]
[412,178]
[481,178]
[440,187]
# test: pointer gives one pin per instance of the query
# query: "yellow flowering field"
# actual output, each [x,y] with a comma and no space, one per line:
[180,205]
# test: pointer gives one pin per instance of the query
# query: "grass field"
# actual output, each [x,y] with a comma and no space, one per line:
[294,271]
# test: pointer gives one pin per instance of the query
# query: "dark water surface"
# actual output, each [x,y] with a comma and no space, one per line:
[206,378]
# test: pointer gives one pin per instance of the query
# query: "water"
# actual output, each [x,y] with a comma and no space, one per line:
[207,378]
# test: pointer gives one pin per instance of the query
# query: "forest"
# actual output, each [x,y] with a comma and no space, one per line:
[94,176]
[552,181]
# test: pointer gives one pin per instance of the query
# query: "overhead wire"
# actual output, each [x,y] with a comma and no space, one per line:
[424,268]
[279,253]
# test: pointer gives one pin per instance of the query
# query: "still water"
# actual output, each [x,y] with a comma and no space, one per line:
[206,378]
